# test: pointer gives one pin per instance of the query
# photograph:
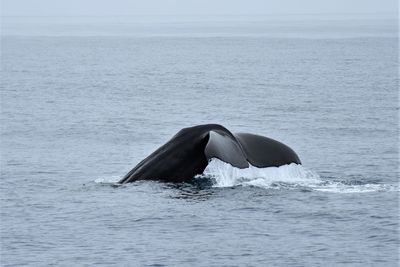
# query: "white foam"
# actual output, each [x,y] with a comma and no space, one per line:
[107,180]
[337,187]
[225,175]
[290,176]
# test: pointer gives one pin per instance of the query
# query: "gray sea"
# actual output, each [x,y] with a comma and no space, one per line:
[83,99]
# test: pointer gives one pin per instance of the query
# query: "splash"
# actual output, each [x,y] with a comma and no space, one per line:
[292,176]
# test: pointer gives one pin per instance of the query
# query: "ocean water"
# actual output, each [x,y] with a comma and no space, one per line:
[85,99]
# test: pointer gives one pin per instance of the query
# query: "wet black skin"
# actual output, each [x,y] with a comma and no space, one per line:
[188,152]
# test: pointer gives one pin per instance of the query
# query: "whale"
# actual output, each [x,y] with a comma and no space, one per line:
[188,153]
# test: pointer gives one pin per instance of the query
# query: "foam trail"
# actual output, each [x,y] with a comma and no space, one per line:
[340,187]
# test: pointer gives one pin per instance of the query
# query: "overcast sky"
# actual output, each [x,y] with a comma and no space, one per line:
[192,7]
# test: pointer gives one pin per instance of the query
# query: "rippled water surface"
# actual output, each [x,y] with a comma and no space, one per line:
[79,110]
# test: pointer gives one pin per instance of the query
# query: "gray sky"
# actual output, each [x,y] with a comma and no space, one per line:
[191,7]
